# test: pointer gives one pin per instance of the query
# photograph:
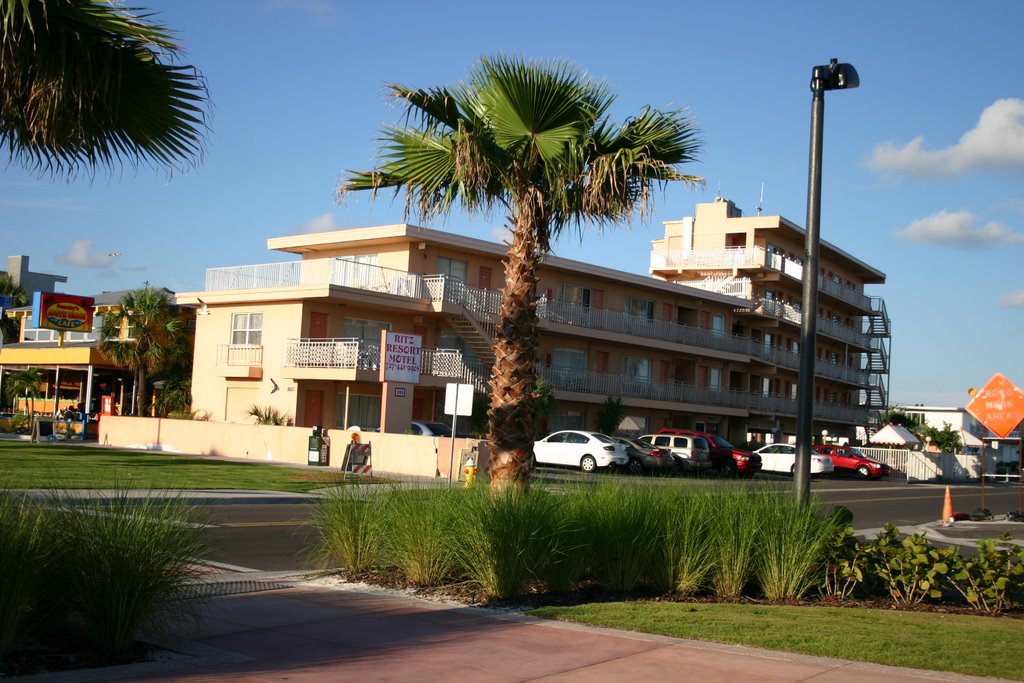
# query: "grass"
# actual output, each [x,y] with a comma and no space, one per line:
[957,643]
[37,466]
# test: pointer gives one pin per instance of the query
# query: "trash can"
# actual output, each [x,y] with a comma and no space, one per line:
[314,447]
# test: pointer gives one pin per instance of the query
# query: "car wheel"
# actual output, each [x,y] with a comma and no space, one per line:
[728,469]
[588,464]
[792,470]
[864,472]
[635,467]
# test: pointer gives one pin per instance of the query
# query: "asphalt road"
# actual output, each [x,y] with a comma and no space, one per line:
[280,537]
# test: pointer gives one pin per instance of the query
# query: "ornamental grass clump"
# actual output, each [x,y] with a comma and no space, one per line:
[625,533]
[690,540]
[504,536]
[24,557]
[738,517]
[420,532]
[350,526]
[565,561]
[793,538]
[126,562]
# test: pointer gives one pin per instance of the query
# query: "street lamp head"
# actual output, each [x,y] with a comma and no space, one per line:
[834,76]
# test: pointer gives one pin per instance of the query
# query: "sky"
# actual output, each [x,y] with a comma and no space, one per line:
[923,166]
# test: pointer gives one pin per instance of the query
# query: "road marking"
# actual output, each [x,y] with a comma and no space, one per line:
[881,500]
[295,522]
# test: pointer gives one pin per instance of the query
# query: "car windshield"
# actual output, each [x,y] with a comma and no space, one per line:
[720,442]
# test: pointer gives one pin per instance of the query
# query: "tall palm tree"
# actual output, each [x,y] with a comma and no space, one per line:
[86,83]
[27,382]
[9,327]
[534,140]
[145,334]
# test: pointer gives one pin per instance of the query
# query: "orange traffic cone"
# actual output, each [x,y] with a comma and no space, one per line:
[947,508]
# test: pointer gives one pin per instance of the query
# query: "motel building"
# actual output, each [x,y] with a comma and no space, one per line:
[707,340]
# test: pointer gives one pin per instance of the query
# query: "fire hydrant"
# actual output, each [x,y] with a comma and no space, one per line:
[470,472]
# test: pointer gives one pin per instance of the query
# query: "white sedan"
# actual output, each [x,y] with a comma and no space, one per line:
[586,450]
[781,457]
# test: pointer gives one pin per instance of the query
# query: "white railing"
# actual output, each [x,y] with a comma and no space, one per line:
[250,355]
[737,287]
[443,288]
[340,353]
[331,271]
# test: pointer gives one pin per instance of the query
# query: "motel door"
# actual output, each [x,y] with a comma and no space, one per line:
[317,325]
[313,408]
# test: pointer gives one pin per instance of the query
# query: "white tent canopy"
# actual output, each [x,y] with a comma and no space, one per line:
[894,435]
[969,439]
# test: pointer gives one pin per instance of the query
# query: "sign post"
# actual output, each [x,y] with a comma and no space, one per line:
[458,400]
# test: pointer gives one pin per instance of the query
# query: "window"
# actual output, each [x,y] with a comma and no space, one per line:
[715,378]
[636,368]
[451,340]
[453,268]
[567,419]
[247,328]
[363,412]
[569,359]
[641,308]
[573,294]
[365,330]
[718,325]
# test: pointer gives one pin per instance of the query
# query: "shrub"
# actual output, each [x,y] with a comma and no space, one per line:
[910,569]
[350,527]
[988,580]
[125,562]
[735,534]
[269,415]
[565,561]
[844,564]
[624,533]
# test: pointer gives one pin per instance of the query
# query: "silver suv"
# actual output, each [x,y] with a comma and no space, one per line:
[692,453]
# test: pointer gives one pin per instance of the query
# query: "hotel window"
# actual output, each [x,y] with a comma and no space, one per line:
[573,294]
[640,308]
[363,412]
[453,268]
[247,328]
[365,330]
[636,368]
[569,359]
[718,325]
[715,378]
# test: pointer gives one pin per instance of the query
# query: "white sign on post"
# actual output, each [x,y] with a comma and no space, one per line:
[458,399]
[401,357]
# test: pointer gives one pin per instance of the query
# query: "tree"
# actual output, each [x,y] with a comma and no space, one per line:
[9,327]
[947,439]
[610,416]
[896,415]
[27,382]
[534,140]
[146,334]
[86,83]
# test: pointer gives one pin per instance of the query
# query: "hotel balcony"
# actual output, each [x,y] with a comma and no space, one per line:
[239,361]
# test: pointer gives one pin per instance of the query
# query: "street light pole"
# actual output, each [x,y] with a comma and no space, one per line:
[833,76]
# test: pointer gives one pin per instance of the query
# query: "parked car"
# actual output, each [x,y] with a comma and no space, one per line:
[725,458]
[849,459]
[646,457]
[781,457]
[586,450]
[427,428]
[691,452]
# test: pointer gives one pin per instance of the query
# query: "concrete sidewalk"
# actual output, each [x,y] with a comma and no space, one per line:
[314,632]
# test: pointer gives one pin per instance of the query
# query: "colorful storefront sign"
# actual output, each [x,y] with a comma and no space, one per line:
[64,312]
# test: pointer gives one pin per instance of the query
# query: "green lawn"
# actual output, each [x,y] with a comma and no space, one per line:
[957,643]
[26,465]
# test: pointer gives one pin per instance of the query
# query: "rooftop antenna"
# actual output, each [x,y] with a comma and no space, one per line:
[718,194]
[761,200]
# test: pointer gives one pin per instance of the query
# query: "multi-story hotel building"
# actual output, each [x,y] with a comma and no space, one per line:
[708,342]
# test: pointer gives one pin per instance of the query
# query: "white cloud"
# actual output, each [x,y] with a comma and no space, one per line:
[958,228]
[996,142]
[325,222]
[1012,299]
[81,254]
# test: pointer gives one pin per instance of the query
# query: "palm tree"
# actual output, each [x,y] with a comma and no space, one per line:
[532,139]
[27,382]
[86,83]
[146,334]
[9,327]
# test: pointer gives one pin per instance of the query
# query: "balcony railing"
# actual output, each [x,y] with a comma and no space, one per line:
[334,271]
[341,354]
[250,355]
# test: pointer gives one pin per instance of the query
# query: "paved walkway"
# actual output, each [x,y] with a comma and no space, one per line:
[317,633]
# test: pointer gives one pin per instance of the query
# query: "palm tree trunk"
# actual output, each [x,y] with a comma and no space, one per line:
[511,414]
[141,402]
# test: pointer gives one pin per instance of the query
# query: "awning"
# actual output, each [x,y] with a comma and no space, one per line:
[970,439]
[894,435]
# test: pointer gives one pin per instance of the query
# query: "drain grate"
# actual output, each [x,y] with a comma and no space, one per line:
[208,589]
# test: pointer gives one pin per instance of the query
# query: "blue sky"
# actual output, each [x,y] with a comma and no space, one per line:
[923,164]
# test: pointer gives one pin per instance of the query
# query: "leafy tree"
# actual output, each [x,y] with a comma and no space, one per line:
[896,415]
[27,382]
[9,327]
[532,139]
[87,83]
[947,439]
[543,405]
[610,416]
[146,334]
[176,395]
